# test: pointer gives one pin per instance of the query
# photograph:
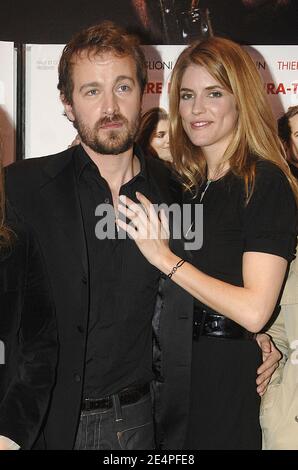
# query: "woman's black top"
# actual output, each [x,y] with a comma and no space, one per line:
[267,223]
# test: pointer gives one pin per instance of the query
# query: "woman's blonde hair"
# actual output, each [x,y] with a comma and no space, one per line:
[255,135]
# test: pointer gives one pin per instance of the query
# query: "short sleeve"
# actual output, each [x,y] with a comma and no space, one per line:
[270,217]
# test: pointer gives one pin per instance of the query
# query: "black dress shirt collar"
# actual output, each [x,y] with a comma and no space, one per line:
[82,160]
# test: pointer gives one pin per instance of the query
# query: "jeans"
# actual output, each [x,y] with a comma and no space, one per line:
[128,427]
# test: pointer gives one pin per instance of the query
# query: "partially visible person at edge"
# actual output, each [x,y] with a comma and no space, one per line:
[288,132]
[28,335]
[226,149]
[279,408]
[104,289]
[153,134]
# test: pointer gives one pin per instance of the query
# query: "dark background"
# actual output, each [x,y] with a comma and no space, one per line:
[51,21]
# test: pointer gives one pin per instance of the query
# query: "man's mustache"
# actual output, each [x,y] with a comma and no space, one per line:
[115,118]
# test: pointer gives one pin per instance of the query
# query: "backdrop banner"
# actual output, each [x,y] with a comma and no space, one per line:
[7,101]
[48,131]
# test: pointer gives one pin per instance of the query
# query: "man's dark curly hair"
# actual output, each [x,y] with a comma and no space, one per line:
[99,39]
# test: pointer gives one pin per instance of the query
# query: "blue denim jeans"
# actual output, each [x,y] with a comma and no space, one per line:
[128,427]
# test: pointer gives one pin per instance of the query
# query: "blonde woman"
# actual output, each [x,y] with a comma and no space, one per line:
[226,149]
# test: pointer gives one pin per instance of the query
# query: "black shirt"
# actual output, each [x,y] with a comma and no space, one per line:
[267,224]
[123,288]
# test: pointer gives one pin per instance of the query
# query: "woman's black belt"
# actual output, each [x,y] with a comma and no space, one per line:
[207,322]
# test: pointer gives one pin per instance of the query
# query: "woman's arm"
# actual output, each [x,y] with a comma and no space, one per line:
[251,306]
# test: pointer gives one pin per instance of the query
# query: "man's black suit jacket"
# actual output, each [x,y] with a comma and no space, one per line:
[44,192]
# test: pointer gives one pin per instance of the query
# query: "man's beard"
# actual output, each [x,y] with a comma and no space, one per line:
[116,141]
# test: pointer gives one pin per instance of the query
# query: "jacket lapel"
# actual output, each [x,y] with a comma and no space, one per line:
[60,200]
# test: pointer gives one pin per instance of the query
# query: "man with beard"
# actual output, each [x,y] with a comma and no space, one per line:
[104,289]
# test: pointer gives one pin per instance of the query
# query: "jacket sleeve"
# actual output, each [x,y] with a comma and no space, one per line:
[24,406]
[279,329]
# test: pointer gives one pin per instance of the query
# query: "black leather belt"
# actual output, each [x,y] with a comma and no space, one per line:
[207,322]
[126,397]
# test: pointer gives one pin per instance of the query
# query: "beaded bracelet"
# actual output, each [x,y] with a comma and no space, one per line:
[178,265]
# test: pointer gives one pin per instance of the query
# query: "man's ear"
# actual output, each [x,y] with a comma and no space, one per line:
[288,149]
[67,108]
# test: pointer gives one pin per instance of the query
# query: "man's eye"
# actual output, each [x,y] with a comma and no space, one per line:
[92,92]
[124,88]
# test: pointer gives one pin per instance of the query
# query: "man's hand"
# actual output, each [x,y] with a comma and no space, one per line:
[271,358]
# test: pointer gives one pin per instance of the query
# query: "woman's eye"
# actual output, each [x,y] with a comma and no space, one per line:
[215,94]
[186,96]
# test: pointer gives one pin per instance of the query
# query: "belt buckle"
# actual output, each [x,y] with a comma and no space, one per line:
[196,330]
[90,404]
[199,320]
[86,404]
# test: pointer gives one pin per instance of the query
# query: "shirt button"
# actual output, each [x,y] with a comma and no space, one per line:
[80,329]
[296,419]
[77,378]
[107,200]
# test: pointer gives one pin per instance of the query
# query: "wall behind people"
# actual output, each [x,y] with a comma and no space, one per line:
[245,21]
[32,22]
[48,131]
[7,102]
